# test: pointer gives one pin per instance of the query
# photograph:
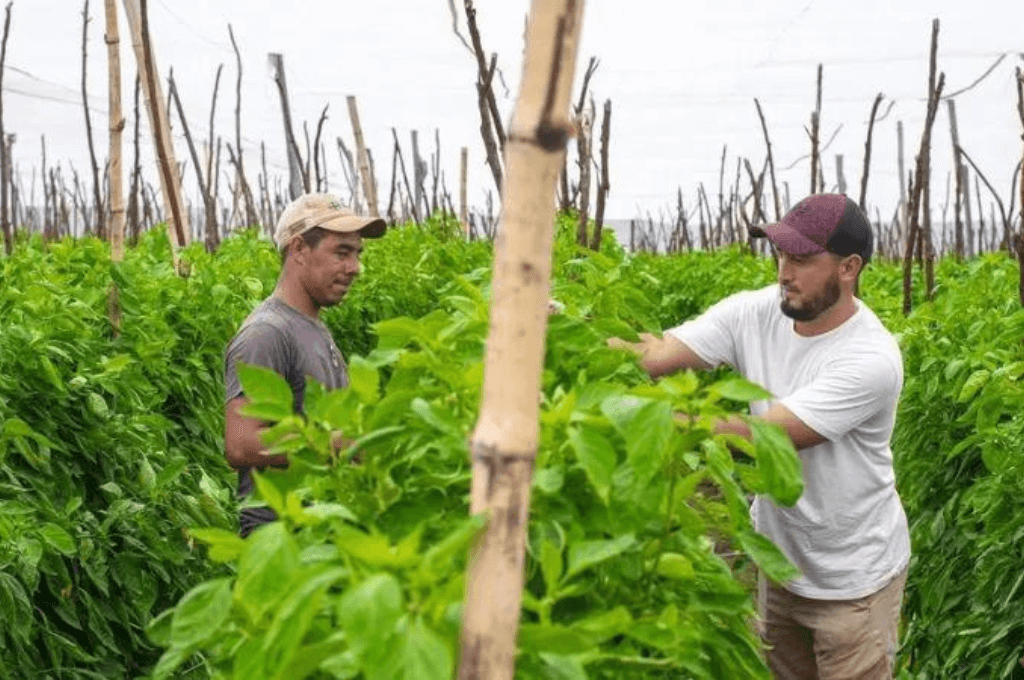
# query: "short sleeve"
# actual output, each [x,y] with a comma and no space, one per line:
[712,335]
[260,344]
[849,390]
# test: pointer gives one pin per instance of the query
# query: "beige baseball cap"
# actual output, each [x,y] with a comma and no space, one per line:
[325,211]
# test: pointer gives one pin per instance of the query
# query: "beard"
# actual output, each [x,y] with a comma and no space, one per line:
[810,310]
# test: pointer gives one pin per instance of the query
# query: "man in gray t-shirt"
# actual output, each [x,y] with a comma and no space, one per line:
[320,243]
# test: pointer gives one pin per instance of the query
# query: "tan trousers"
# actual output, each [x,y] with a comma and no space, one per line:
[831,639]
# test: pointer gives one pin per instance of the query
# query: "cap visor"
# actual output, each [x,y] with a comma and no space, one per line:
[786,239]
[368,227]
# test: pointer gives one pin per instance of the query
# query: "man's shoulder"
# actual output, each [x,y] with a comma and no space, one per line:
[759,301]
[875,336]
[265,322]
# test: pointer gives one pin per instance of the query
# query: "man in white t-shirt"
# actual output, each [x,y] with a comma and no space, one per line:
[836,374]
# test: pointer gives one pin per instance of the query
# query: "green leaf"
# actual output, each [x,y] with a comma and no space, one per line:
[201,613]
[265,568]
[596,456]
[98,405]
[159,629]
[57,538]
[739,389]
[973,384]
[265,387]
[585,554]
[676,566]
[550,565]
[171,472]
[426,655]
[224,545]
[370,610]
[777,461]
[269,493]
[364,380]
[323,511]
[647,440]
[537,638]
[549,480]
[605,625]
[454,544]
[767,555]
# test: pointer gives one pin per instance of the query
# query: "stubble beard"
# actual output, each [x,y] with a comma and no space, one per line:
[812,309]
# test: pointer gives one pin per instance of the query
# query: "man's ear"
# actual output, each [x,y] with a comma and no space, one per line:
[296,248]
[851,266]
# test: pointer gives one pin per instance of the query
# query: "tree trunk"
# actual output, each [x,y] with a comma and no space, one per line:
[504,443]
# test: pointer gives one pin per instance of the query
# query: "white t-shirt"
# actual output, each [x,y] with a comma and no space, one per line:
[848,533]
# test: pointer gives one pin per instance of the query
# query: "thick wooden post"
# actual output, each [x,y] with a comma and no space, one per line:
[170,181]
[504,443]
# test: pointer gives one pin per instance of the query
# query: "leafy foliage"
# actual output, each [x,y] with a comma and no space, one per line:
[640,546]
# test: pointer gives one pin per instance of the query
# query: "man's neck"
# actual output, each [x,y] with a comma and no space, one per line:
[829,320]
[293,295]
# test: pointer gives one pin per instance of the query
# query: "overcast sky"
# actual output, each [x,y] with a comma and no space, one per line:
[682,78]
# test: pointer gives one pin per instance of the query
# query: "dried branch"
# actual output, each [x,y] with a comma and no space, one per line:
[867,155]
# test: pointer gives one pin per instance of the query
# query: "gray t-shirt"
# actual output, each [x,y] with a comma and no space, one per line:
[295,345]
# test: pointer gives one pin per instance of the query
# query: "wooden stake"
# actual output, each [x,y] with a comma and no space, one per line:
[815,132]
[115,227]
[504,443]
[296,185]
[212,234]
[867,157]
[463,176]
[170,183]
[771,161]
[369,190]
[97,200]
[919,195]
[5,159]
[1020,186]
[605,185]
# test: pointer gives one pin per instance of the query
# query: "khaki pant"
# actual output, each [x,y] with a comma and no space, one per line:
[830,639]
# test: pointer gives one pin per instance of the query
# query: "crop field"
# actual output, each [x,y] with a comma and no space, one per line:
[118,548]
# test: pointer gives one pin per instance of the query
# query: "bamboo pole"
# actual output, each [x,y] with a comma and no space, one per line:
[170,182]
[504,443]
[369,190]
[115,226]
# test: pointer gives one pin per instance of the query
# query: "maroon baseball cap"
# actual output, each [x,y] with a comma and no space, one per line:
[820,223]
